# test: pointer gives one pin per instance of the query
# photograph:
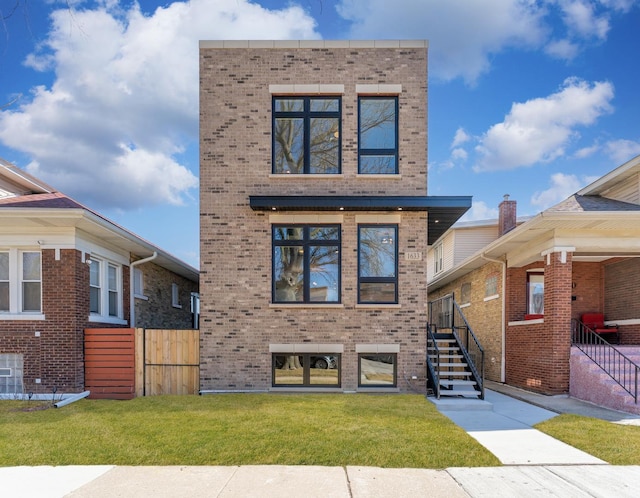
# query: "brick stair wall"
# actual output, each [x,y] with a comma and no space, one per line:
[589,382]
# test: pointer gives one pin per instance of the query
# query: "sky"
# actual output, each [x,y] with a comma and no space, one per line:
[530,98]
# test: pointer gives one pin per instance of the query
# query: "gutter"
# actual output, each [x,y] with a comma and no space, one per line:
[132,307]
[503,354]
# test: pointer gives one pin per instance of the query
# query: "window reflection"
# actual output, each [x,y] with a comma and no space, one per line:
[306,370]
[378,370]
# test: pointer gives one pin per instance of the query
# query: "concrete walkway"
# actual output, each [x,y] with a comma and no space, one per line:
[536,465]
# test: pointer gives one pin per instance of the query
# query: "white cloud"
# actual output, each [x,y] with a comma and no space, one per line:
[124,102]
[462,34]
[562,49]
[460,138]
[562,186]
[540,129]
[622,150]
[480,211]
[581,18]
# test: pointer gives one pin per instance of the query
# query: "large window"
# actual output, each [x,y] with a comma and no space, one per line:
[378,370]
[306,135]
[306,264]
[535,293]
[378,264]
[378,135]
[20,281]
[105,289]
[306,370]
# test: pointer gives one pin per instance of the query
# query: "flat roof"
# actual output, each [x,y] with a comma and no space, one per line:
[314,44]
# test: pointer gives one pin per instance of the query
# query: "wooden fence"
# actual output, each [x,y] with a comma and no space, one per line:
[167,362]
[123,363]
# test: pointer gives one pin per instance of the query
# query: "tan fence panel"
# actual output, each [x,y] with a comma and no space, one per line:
[171,362]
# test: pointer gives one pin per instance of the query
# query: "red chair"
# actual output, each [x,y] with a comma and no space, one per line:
[595,321]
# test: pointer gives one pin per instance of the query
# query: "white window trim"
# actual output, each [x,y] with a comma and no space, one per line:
[15,286]
[175,296]
[136,293]
[438,259]
[104,315]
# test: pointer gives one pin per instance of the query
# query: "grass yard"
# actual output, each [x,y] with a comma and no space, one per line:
[614,443]
[239,429]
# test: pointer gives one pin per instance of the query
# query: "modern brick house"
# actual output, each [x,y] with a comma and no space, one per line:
[65,268]
[315,217]
[524,284]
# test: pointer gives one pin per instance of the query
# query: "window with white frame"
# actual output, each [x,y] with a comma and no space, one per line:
[105,289]
[175,296]
[20,281]
[138,283]
[438,264]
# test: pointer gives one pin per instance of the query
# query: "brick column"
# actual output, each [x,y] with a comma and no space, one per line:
[557,320]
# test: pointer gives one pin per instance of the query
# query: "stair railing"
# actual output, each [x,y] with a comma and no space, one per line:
[445,314]
[433,365]
[615,364]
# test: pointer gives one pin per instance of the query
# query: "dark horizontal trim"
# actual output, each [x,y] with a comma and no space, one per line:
[443,211]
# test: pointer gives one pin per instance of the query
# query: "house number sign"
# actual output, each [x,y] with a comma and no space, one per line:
[413,256]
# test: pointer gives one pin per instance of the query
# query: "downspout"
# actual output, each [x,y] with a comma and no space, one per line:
[503,354]
[132,308]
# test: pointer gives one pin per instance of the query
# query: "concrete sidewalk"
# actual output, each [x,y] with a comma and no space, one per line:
[322,482]
[536,465]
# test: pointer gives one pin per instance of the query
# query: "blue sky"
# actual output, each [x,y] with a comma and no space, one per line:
[534,99]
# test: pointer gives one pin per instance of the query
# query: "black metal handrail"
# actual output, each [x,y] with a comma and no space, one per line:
[614,363]
[434,366]
[445,315]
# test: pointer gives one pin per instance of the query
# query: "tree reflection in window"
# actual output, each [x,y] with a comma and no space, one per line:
[378,264]
[306,135]
[378,135]
[306,264]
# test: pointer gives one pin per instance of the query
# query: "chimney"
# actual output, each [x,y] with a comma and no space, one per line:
[507,216]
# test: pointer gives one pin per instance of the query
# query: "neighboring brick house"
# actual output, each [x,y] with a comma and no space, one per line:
[315,217]
[520,283]
[64,268]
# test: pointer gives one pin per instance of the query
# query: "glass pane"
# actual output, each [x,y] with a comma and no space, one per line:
[137,282]
[377,252]
[324,269]
[377,165]
[536,294]
[324,145]
[31,266]
[113,303]
[377,292]
[289,273]
[4,296]
[94,299]
[323,369]
[4,266]
[377,369]
[288,146]
[289,105]
[287,370]
[31,296]
[324,233]
[377,123]
[325,105]
[113,278]
[94,273]
[288,233]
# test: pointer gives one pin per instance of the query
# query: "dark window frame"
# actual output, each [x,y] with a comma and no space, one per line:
[379,280]
[306,242]
[364,152]
[306,115]
[380,385]
[306,375]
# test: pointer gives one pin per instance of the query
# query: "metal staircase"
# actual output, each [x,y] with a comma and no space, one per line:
[455,358]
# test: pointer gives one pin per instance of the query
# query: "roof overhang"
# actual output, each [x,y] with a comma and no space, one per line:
[443,211]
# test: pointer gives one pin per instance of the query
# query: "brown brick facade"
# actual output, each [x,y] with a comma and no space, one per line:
[238,321]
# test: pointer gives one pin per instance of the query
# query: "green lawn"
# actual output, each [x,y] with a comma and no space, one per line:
[239,429]
[614,443]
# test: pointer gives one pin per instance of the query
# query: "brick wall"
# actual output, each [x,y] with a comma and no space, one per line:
[156,311]
[237,321]
[52,349]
